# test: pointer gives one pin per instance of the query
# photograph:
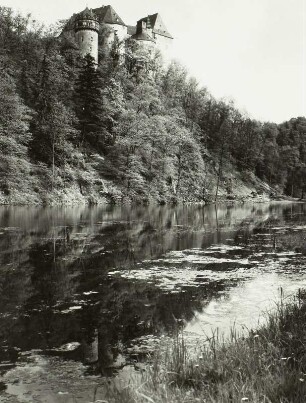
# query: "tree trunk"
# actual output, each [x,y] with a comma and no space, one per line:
[219,172]
[178,176]
[53,164]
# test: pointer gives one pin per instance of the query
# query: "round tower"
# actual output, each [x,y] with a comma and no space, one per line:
[86,32]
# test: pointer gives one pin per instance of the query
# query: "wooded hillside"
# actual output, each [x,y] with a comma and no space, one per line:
[70,132]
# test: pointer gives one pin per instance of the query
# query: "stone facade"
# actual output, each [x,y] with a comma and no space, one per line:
[149,31]
[86,28]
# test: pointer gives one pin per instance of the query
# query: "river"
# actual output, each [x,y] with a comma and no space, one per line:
[87,293]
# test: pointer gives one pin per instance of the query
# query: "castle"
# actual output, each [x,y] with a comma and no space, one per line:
[150,32]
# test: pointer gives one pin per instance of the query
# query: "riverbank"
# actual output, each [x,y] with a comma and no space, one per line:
[267,365]
[88,187]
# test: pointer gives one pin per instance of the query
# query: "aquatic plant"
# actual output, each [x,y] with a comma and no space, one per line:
[266,365]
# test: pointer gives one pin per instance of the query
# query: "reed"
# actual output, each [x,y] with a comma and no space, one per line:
[267,365]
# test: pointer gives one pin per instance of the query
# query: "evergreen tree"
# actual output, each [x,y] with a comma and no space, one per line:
[52,125]
[89,107]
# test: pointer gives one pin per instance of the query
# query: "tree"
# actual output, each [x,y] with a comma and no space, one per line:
[268,159]
[14,136]
[53,122]
[89,107]
[223,146]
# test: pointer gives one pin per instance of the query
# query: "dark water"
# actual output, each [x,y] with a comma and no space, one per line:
[86,292]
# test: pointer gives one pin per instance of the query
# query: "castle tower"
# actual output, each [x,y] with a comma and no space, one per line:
[86,30]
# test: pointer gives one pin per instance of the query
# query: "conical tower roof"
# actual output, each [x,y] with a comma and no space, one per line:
[87,14]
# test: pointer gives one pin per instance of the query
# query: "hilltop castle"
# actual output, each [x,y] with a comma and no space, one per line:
[149,31]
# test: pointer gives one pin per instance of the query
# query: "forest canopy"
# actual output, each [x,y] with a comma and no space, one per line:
[125,130]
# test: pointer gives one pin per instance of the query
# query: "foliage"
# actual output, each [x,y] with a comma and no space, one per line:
[267,365]
[158,133]
[14,135]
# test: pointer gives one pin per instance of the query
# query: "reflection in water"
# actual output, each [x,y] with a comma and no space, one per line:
[244,307]
[100,285]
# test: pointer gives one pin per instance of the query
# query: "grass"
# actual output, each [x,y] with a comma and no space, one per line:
[268,365]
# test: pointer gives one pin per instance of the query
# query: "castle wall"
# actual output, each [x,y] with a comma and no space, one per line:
[88,43]
[120,30]
[116,30]
[164,44]
[88,39]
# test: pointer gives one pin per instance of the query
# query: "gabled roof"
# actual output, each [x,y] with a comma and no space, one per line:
[107,15]
[155,22]
[104,14]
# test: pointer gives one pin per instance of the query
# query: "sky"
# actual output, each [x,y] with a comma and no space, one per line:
[250,51]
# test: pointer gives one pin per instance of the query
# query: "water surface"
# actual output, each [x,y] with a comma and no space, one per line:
[86,293]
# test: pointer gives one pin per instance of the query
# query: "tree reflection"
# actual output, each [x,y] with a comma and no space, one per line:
[55,287]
